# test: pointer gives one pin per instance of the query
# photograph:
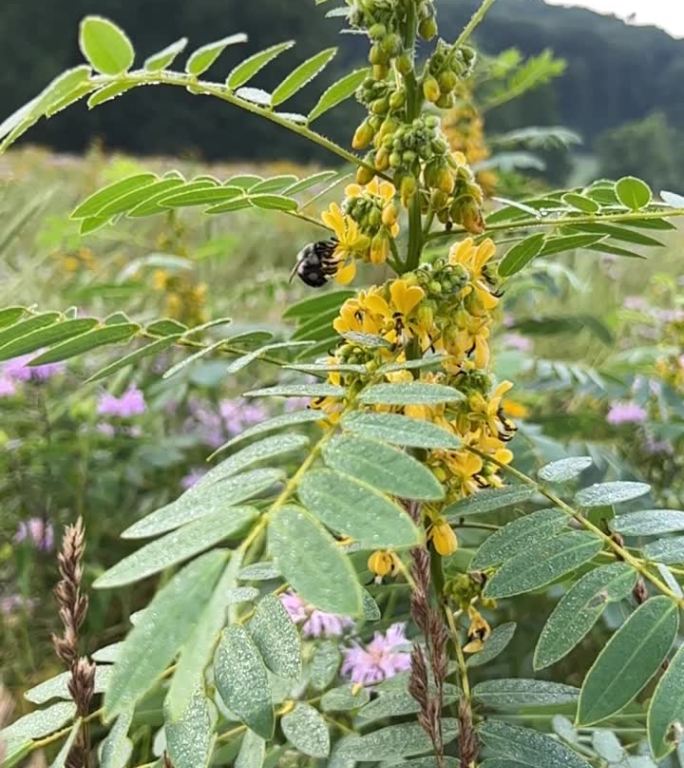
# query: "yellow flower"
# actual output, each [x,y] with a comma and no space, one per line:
[351,243]
[383,562]
[515,409]
[443,537]
[405,297]
[486,411]
[478,631]
[464,466]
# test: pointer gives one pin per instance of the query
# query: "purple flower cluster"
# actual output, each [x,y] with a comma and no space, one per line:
[131,403]
[18,371]
[13,603]
[314,623]
[37,532]
[626,413]
[385,656]
[214,427]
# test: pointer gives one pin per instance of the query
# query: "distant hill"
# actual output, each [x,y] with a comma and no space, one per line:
[616,73]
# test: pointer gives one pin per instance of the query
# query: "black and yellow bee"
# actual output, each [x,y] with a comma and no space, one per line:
[316,263]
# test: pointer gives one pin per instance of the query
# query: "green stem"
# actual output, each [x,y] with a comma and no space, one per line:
[474,22]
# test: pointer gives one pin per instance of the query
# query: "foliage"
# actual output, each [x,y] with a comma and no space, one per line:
[391,504]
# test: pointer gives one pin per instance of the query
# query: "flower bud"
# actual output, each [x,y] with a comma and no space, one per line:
[408,188]
[445,180]
[376,55]
[445,101]
[382,563]
[427,28]
[443,538]
[363,136]
[364,175]
[389,214]
[471,217]
[395,160]
[382,159]
[380,71]
[405,63]
[379,250]
[448,80]
[431,89]
[391,45]
[397,98]
[377,31]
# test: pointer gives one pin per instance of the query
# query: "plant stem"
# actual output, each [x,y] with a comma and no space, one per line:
[474,22]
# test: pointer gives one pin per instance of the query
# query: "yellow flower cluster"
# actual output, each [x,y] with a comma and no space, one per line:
[364,226]
[442,310]
[184,299]
[464,128]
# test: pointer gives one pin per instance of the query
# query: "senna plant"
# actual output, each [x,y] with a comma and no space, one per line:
[338,580]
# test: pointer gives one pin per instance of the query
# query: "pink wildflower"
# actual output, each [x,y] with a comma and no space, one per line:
[315,623]
[385,656]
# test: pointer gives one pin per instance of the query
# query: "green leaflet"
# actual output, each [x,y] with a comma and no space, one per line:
[667,708]
[399,430]
[344,698]
[84,342]
[302,75]
[580,608]
[383,467]
[517,692]
[489,500]
[356,509]
[310,560]
[116,749]
[37,724]
[392,742]
[242,680]
[190,739]
[105,46]
[563,470]
[338,92]
[633,193]
[649,522]
[670,550]
[521,254]
[543,563]
[518,535]
[607,494]
[526,748]
[165,57]
[416,393]
[251,66]
[161,630]
[277,638]
[200,61]
[252,751]
[629,660]
[203,500]
[306,730]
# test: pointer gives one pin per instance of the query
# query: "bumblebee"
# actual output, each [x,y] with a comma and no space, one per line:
[316,263]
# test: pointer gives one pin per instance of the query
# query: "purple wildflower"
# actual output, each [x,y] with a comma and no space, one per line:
[315,623]
[105,429]
[7,387]
[13,603]
[385,656]
[131,403]
[193,477]
[626,413]
[635,303]
[517,341]
[36,531]
[20,370]
[658,447]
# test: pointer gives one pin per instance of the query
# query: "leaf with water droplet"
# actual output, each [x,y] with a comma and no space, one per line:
[306,730]
[276,637]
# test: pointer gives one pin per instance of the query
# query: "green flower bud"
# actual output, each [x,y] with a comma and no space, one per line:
[405,63]
[364,175]
[397,99]
[377,31]
[445,101]
[407,188]
[363,135]
[431,89]
[448,80]
[395,160]
[392,44]
[427,28]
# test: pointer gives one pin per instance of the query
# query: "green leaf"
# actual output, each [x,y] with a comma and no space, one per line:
[392,742]
[518,536]
[318,303]
[246,69]
[563,243]
[161,60]
[299,390]
[36,725]
[310,560]
[290,419]
[112,334]
[400,430]
[526,748]
[64,90]
[607,746]
[489,500]
[564,470]
[415,393]
[399,702]
[24,327]
[10,316]
[324,664]
[200,61]
[355,509]
[514,693]
[670,550]
[580,608]
[277,638]
[108,93]
[521,254]
[273,184]
[649,522]
[543,563]
[190,739]
[308,182]
[385,468]
[633,193]
[273,202]
[94,203]
[161,631]
[117,748]
[58,687]
[337,93]
[629,660]
[607,494]
[344,698]
[153,348]
[252,751]
[242,680]
[175,547]
[43,337]
[620,233]
[666,710]
[306,730]
[302,75]
[496,643]
[202,195]
[196,654]
[105,46]
[581,202]
[202,500]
